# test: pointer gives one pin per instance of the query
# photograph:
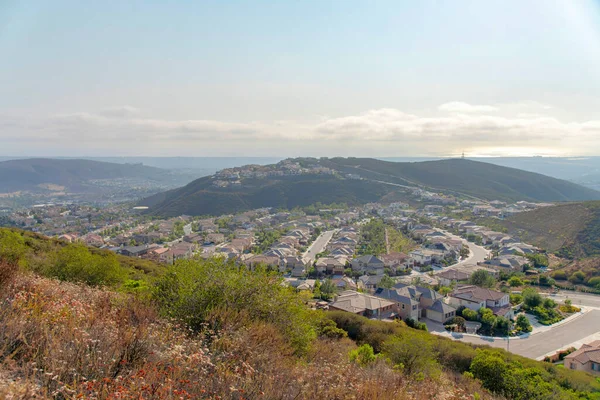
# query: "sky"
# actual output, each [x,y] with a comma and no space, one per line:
[382,78]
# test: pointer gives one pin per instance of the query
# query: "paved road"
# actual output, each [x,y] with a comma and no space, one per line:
[478,253]
[538,345]
[579,299]
[318,245]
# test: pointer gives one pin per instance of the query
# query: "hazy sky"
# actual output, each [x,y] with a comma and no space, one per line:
[290,78]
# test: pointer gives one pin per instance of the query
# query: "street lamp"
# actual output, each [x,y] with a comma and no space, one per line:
[508,329]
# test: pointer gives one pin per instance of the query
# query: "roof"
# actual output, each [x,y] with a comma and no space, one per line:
[441,307]
[476,293]
[356,302]
[371,279]
[396,295]
[369,259]
[454,275]
[588,352]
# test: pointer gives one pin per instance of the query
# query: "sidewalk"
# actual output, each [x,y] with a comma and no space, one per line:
[438,329]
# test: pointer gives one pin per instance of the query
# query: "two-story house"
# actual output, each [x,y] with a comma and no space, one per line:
[475,297]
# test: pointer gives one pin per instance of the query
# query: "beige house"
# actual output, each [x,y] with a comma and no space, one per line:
[363,304]
[587,358]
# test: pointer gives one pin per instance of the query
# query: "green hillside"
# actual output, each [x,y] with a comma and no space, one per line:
[460,177]
[570,230]
[473,178]
[208,329]
[29,174]
[202,198]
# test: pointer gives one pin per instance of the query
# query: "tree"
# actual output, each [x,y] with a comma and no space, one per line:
[490,369]
[386,282]
[464,252]
[501,326]
[470,315]
[522,324]
[515,281]
[538,260]
[413,353]
[577,277]
[482,278]
[327,289]
[531,298]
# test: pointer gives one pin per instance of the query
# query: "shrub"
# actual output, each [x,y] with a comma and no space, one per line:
[412,353]
[363,355]
[594,282]
[577,277]
[522,324]
[531,298]
[76,263]
[198,291]
[515,281]
[560,275]
[470,315]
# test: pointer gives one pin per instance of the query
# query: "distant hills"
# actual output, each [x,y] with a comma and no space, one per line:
[378,178]
[472,178]
[43,174]
[200,197]
[570,230]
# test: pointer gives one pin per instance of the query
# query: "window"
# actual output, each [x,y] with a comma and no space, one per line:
[595,367]
[572,366]
[403,306]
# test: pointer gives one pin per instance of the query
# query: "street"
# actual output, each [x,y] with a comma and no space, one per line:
[478,253]
[538,345]
[318,245]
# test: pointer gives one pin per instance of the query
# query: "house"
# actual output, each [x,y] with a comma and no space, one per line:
[440,311]
[419,257]
[508,263]
[369,282]
[587,358]
[134,251]
[330,265]
[269,261]
[405,305]
[343,283]
[363,304]
[215,238]
[69,237]
[451,276]
[396,261]
[475,297]
[368,263]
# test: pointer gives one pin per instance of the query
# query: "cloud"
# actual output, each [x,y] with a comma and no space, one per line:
[461,107]
[384,132]
[120,112]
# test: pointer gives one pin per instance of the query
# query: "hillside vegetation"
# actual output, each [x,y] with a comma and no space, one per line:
[460,177]
[570,230]
[35,174]
[209,329]
[202,198]
[473,178]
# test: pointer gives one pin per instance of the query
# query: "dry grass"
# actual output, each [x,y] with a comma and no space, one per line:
[59,340]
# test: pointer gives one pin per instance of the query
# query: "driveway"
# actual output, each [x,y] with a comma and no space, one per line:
[318,245]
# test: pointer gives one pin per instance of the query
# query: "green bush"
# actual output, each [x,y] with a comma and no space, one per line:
[363,355]
[560,275]
[76,263]
[197,291]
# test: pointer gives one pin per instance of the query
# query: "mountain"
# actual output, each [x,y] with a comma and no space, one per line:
[570,230]
[201,197]
[340,184]
[43,174]
[473,178]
